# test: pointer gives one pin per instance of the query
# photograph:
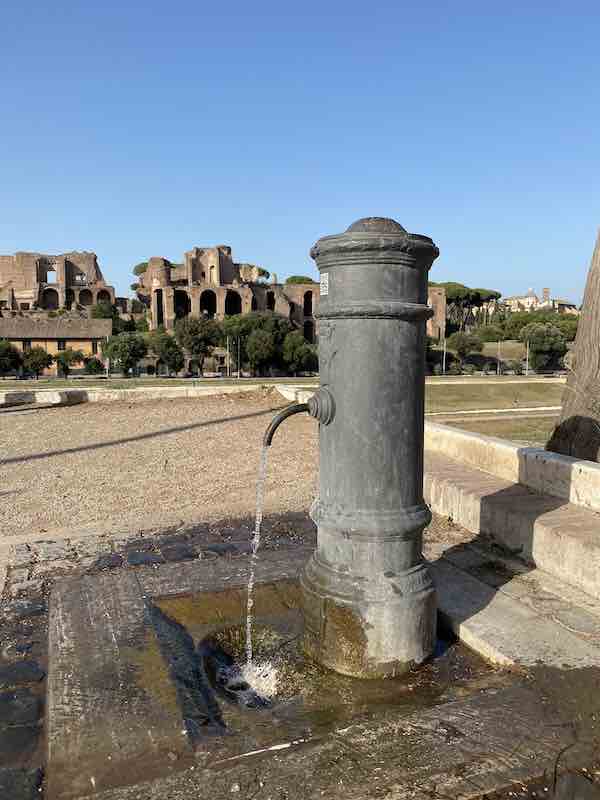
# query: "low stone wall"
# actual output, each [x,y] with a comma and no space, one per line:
[571,479]
[66,397]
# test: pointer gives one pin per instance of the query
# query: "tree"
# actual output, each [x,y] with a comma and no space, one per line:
[260,348]
[140,268]
[578,431]
[547,345]
[102,311]
[165,347]
[36,360]
[93,366]
[298,354]
[461,300]
[10,358]
[489,333]
[465,343]
[240,327]
[198,336]
[66,358]
[299,279]
[108,311]
[126,350]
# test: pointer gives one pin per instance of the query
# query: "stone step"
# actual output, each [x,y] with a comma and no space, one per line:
[546,532]
[509,623]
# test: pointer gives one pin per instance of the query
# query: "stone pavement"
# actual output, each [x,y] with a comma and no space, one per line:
[484,590]
[28,570]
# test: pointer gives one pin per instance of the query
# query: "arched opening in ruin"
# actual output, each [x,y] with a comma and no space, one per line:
[254,304]
[50,299]
[69,298]
[160,313]
[161,368]
[183,304]
[271,301]
[309,331]
[233,303]
[208,304]
[104,297]
[308,303]
[86,298]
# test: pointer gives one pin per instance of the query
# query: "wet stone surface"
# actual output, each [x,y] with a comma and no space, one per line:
[20,672]
[19,707]
[20,784]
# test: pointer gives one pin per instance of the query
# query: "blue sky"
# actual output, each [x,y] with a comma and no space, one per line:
[138,129]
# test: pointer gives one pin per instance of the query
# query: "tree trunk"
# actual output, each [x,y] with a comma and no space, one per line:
[578,432]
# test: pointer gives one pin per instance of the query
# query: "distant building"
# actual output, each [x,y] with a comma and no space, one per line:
[38,281]
[531,302]
[64,332]
[210,284]
[436,325]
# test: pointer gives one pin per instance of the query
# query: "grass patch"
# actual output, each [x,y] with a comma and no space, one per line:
[510,350]
[527,430]
[496,394]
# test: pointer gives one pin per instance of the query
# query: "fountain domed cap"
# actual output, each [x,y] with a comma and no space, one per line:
[367,237]
[376,225]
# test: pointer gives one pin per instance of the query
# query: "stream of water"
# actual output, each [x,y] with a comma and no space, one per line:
[260,495]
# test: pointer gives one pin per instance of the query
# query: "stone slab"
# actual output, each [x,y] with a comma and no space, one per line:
[98,626]
[556,536]
[101,727]
[574,480]
[459,750]
[505,630]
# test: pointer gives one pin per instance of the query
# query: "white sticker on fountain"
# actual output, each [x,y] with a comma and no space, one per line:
[324,284]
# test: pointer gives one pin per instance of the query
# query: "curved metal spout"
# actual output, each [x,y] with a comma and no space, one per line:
[296,408]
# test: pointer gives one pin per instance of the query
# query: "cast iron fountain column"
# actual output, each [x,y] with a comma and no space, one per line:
[369,602]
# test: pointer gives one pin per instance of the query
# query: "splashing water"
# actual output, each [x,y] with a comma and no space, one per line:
[260,494]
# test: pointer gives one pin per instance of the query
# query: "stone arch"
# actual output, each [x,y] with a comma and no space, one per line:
[233,303]
[309,331]
[208,304]
[86,298]
[270,301]
[308,304]
[103,297]
[183,304]
[50,299]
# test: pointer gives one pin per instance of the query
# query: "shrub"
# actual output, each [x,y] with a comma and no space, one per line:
[37,360]
[93,366]
[465,343]
[10,358]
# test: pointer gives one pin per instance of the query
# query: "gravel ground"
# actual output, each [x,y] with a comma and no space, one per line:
[173,461]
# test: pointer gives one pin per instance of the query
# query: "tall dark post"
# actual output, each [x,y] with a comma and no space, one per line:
[369,602]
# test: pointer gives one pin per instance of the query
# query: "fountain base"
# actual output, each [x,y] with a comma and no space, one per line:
[368,629]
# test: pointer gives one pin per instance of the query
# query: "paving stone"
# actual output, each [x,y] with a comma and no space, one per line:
[91,546]
[242,549]
[140,545]
[19,574]
[20,784]
[28,671]
[17,742]
[20,555]
[109,561]
[19,707]
[45,568]
[221,549]
[51,551]
[139,558]
[180,551]
[24,609]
